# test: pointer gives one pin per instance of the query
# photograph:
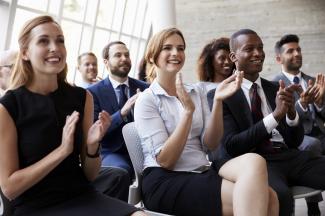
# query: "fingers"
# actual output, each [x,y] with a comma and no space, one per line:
[281,84]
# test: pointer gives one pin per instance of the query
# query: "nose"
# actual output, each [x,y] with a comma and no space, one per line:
[174,51]
[297,53]
[53,46]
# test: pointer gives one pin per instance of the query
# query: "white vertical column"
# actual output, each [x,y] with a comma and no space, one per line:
[163,14]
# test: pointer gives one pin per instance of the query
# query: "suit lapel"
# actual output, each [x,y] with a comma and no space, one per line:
[108,93]
[239,105]
[270,92]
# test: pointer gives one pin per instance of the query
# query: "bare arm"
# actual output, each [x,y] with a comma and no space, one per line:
[214,130]
[93,133]
[174,145]
[15,181]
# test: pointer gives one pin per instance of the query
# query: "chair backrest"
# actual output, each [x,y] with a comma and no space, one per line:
[133,145]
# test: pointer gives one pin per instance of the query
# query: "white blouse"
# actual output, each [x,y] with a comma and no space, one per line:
[156,116]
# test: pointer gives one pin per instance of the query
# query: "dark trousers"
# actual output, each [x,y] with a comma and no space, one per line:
[113,182]
[294,167]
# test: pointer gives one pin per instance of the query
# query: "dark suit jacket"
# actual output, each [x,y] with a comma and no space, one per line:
[305,117]
[240,134]
[105,99]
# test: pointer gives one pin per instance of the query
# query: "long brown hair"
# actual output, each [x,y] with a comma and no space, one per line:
[22,73]
[154,48]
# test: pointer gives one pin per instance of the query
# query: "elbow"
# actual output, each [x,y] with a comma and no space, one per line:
[9,192]
[166,164]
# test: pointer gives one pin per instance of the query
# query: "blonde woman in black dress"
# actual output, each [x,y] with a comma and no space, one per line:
[49,149]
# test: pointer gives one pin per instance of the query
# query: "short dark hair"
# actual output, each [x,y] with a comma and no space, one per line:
[233,38]
[288,38]
[85,54]
[105,51]
[205,69]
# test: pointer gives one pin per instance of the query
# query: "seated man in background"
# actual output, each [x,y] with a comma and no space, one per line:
[261,118]
[87,66]
[310,101]
[112,181]
[116,94]
[7,61]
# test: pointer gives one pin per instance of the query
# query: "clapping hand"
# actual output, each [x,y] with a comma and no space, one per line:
[320,89]
[99,128]
[182,94]
[229,86]
[68,132]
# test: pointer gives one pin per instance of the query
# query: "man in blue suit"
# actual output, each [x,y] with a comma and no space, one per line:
[116,94]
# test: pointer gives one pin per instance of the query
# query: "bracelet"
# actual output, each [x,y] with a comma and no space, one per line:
[96,154]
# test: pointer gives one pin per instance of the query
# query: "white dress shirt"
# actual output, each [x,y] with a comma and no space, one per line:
[268,120]
[157,115]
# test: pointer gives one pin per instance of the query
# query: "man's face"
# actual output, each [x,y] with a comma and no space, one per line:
[118,62]
[249,55]
[7,60]
[290,57]
[88,68]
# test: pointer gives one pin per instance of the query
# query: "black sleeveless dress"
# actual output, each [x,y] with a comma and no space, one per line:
[39,121]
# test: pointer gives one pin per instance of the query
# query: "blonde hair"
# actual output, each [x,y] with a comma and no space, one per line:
[154,48]
[22,73]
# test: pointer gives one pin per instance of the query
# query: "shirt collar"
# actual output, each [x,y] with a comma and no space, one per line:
[158,90]
[290,76]
[247,84]
[115,83]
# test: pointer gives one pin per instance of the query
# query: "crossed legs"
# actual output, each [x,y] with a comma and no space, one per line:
[246,191]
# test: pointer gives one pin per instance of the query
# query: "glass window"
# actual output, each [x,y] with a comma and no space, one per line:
[34,4]
[88,25]
[74,9]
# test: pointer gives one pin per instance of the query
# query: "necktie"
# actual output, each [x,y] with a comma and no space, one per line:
[256,104]
[266,146]
[296,80]
[122,95]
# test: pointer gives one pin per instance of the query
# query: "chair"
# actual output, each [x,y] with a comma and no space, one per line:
[133,144]
[299,192]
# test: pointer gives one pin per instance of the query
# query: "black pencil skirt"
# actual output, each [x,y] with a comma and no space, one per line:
[182,193]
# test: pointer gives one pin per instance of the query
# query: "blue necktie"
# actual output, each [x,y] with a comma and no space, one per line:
[296,80]
[122,95]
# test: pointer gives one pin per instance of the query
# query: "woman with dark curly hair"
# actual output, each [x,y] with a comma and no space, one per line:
[214,64]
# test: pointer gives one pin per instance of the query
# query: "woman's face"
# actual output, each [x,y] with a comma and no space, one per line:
[172,56]
[222,64]
[46,50]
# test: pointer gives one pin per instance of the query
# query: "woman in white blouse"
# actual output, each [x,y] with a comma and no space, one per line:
[176,127]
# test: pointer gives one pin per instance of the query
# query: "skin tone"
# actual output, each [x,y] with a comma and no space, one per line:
[119,64]
[7,60]
[290,58]
[88,68]
[235,190]
[222,65]
[47,54]
[249,57]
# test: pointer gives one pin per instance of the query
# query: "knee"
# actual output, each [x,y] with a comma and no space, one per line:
[255,164]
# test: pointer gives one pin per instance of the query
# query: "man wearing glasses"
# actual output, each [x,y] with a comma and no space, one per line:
[7,60]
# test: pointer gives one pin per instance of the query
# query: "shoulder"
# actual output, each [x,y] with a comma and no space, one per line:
[138,82]
[278,76]
[97,85]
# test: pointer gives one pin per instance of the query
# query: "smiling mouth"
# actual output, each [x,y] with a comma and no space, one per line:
[173,61]
[53,60]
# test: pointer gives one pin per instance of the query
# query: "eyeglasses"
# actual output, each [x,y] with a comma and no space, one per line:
[7,66]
